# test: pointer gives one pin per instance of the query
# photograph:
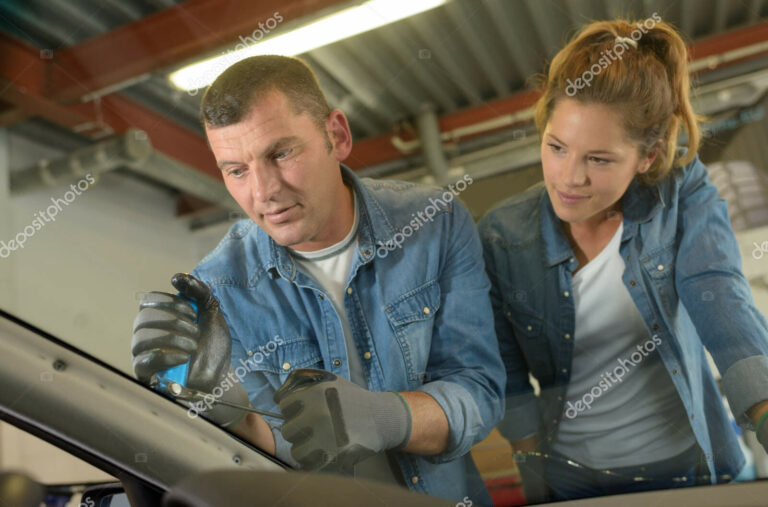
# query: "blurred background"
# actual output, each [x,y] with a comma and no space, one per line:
[434,90]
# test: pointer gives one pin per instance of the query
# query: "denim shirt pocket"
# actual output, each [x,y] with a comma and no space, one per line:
[530,333]
[660,268]
[293,353]
[412,318]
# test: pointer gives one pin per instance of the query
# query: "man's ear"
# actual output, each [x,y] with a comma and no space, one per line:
[339,134]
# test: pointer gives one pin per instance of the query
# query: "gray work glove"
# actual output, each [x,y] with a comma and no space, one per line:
[165,335]
[329,419]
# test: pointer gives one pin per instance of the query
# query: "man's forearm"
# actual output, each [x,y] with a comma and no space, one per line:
[429,427]
[255,430]
[757,410]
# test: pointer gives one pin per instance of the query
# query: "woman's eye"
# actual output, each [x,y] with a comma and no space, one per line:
[555,148]
[599,160]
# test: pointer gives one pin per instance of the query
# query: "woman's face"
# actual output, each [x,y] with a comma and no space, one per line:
[588,160]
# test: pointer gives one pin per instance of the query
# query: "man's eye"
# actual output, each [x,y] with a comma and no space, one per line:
[282,154]
[236,172]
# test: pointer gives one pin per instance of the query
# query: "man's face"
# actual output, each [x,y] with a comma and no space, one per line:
[588,161]
[283,170]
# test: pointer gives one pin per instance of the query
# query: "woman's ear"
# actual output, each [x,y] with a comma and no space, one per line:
[649,158]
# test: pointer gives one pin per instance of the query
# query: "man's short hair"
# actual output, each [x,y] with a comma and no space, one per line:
[232,95]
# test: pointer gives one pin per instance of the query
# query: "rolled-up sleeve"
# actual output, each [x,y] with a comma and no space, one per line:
[464,372]
[716,294]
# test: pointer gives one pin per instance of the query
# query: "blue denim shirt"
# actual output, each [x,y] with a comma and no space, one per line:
[683,271]
[420,315]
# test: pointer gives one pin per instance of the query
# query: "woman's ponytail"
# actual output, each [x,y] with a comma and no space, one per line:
[641,68]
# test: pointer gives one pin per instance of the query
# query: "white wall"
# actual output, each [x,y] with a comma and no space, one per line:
[80,277]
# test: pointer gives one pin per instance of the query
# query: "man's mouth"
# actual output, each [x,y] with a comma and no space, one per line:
[280,215]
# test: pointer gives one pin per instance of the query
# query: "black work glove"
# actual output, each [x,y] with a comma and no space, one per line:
[165,335]
[329,419]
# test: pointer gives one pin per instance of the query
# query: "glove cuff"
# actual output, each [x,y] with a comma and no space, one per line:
[393,419]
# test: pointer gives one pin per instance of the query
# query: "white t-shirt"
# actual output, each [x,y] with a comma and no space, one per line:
[609,421]
[330,269]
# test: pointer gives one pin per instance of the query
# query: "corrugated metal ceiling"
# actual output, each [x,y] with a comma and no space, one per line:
[462,54]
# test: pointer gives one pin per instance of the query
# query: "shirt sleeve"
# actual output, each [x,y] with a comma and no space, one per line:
[465,374]
[521,417]
[716,294]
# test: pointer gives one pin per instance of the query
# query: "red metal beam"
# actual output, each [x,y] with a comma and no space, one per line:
[377,150]
[21,78]
[729,41]
[167,38]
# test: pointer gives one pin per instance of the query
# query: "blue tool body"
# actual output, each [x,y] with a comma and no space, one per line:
[177,374]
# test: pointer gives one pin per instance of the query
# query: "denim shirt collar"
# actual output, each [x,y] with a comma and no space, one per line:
[373,228]
[640,204]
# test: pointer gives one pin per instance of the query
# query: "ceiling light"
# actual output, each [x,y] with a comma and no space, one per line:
[324,31]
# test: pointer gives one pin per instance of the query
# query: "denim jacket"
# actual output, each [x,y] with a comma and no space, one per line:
[683,272]
[420,315]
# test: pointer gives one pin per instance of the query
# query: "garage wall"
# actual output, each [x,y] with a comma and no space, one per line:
[80,277]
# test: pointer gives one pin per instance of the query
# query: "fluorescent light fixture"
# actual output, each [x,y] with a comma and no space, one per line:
[327,30]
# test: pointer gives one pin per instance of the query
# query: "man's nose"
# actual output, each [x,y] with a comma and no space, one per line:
[265,183]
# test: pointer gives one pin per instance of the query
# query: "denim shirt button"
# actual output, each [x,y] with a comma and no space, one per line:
[286,366]
[426,310]
[530,328]
[337,362]
[349,290]
[414,479]
[566,294]
[660,267]
[674,372]
[367,355]
[250,352]
[632,283]
[567,336]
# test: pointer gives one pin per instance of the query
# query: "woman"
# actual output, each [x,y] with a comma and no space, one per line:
[612,276]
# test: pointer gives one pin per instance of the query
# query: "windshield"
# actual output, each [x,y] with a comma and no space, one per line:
[507,290]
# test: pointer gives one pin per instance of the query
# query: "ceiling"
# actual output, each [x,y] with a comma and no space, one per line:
[462,58]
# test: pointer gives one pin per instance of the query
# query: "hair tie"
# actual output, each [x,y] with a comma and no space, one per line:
[626,40]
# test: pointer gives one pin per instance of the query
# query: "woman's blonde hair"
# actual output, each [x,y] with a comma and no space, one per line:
[639,68]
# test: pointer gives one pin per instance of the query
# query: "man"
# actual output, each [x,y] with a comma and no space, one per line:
[323,277]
